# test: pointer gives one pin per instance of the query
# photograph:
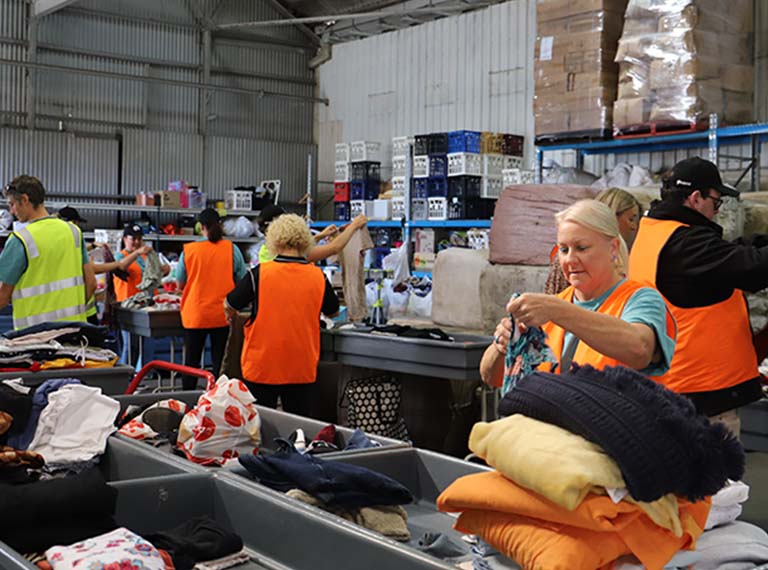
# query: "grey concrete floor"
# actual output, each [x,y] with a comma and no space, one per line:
[756,508]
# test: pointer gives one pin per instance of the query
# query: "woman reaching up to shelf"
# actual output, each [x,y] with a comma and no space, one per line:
[207,270]
[318,252]
[282,336]
[601,318]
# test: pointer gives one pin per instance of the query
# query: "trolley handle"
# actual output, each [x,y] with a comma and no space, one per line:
[161,364]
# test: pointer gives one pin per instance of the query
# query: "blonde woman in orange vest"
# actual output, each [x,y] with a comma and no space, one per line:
[127,286]
[207,270]
[282,336]
[602,318]
[680,250]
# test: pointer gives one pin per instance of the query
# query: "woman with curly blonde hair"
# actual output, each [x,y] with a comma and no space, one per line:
[282,336]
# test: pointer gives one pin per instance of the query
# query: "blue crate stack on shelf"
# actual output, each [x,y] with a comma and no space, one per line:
[365,177]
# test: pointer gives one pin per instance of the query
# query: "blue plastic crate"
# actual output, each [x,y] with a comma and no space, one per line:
[341,211]
[438,187]
[368,190]
[464,141]
[420,188]
[470,208]
[438,165]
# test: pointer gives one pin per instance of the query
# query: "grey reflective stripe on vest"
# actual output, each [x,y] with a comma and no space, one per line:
[49,316]
[35,290]
[75,233]
[25,236]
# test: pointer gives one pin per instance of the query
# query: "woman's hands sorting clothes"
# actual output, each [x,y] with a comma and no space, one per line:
[533,309]
[502,335]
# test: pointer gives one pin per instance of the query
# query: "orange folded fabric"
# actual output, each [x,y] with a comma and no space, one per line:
[653,545]
[541,545]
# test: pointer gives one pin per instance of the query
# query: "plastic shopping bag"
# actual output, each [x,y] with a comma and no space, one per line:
[223,424]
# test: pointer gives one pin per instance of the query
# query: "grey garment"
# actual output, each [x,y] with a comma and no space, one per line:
[736,546]
[682,559]
[444,547]
[151,279]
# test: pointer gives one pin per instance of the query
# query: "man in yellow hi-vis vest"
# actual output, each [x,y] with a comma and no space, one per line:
[44,266]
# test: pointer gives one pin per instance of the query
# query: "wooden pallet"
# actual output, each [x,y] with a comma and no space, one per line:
[569,137]
[659,128]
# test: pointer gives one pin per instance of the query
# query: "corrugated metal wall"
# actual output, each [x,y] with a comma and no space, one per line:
[473,71]
[160,123]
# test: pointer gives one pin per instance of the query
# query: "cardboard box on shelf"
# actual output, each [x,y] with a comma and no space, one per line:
[631,111]
[145,199]
[555,9]
[168,199]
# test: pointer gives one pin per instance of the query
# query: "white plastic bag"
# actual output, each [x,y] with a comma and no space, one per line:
[397,261]
[223,424]
[240,227]
[398,302]
[420,306]
[137,429]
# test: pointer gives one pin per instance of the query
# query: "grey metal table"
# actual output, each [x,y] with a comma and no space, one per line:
[152,324]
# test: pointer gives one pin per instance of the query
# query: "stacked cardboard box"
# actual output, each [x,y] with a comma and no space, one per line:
[575,73]
[680,61]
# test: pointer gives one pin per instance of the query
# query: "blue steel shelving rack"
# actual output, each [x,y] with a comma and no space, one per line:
[712,138]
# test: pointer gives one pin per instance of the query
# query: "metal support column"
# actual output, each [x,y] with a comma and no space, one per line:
[31,73]
[538,167]
[309,188]
[756,150]
[205,104]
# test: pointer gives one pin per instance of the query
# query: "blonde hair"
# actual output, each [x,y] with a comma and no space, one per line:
[619,200]
[597,217]
[288,231]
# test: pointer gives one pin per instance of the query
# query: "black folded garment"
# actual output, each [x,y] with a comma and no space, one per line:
[63,501]
[95,334]
[19,406]
[196,540]
[655,436]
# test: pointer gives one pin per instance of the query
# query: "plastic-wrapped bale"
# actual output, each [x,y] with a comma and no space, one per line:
[498,282]
[680,61]
[575,73]
[456,288]
[523,229]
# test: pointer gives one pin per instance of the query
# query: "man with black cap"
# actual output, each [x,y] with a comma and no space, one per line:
[70,214]
[44,266]
[680,250]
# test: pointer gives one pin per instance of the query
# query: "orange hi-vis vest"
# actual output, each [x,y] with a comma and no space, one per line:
[125,289]
[282,345]
[714,343]
[210,270]
[585,354]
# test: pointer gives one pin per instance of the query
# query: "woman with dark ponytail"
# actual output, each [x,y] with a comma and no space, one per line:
[207,270]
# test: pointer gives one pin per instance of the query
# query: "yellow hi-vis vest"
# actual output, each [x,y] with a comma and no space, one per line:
[53,286]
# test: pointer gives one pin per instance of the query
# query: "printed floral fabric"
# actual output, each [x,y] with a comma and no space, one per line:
[137,429]
[117,550]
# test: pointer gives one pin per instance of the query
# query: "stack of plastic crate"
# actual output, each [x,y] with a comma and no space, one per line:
[512,149]
[341,182]
[464,175]
[437,185]
[420,178]
[401,178]
[365,177]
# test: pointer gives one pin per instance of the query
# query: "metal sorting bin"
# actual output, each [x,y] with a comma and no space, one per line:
[274,423]
[112,380]
[458,360]
[754,425]
[426,474]
[273,529]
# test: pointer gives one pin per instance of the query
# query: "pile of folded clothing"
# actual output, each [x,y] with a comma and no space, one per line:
[591,467]
[56,345]
[355,493]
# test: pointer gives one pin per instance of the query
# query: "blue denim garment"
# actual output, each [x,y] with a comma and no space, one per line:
[360,441]
[39,402]
[333,482]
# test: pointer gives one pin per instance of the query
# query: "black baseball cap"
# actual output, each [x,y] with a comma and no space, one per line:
[269,213]
[70,214]
[133,230]
[698,174]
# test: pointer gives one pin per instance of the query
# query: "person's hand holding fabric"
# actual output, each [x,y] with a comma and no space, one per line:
[534,309]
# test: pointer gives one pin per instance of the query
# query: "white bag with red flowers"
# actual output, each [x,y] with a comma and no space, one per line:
[223,424]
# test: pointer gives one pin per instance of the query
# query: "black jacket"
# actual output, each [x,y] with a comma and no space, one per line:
[698,268]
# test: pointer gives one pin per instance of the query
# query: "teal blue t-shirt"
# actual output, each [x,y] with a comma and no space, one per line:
[645,306]
[239,268]
[13,260]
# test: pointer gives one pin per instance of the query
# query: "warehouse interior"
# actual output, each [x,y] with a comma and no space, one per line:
[533,231]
